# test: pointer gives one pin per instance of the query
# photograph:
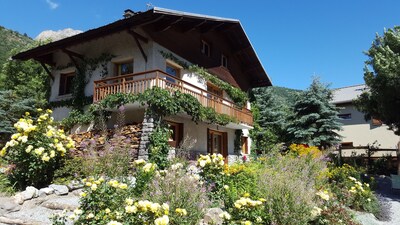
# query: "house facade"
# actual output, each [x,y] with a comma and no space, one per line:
[150,49]
[358,132]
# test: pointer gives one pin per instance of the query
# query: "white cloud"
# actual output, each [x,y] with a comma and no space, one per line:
[52,5]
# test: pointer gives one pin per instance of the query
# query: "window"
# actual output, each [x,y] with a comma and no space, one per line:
[123,68]
[214,90]
[245,145]
[217,142]
[172,70]
[176,134]
[205,48]
[66,83]
[346,116]
[224,61]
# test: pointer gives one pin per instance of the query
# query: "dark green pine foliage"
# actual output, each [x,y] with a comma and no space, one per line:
[12,107]
[314,120]
[382,77]
[271,109]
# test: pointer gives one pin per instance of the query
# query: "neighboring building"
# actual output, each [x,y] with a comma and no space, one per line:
[358,132]
[139,43]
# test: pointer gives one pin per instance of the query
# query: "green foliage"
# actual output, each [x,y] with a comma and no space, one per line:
[238,141]
[271,107]
[11,40]
[26,78]
[77,117]
[181,190]
[35,151]
[238,96]
[382,77]
[158,146]
[209,115]
[315,119]
[69,102]
[12,107]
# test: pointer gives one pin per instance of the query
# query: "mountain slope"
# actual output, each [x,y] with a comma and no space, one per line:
[10,40]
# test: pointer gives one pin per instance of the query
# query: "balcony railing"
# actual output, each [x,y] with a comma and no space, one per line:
[139,82]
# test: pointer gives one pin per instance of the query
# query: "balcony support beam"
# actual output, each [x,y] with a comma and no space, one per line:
[137,36]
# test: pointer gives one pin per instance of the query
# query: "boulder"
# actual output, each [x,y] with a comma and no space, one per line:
[73,185]
[45,191]
[8,205]
[59,189]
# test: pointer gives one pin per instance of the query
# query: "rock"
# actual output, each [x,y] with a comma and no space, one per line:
[5,220]
[212,216]
[59,189]
[29,193]
[8,205]
[66,202]
[46,191]
[74,185]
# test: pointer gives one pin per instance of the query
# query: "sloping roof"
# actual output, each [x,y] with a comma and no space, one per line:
[223,74]
[245,52]
[347,94]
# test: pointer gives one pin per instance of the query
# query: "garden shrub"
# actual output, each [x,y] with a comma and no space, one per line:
[36,150]
[182,190]
[288,187]
[305,150]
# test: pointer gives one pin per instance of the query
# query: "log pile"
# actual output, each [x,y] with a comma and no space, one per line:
[126,137]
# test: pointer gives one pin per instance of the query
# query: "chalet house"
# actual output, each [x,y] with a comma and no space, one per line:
[357,132]
[138,44]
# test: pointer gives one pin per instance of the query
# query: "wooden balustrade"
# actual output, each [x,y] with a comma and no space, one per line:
[140,82]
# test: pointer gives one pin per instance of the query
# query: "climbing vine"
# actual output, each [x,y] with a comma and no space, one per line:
[161,103]
[237,95]
[84,71]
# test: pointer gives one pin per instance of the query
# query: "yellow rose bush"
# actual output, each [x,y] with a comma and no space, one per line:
[305,150]
[36,150]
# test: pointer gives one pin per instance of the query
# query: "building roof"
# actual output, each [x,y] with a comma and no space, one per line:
[232,29]
[223,74]
[347,94]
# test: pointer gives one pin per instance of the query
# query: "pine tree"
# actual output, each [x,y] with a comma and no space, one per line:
[12,107]
[315,119]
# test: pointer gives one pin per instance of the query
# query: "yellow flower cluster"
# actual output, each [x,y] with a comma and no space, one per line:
[315,211]
[181,212]
[116,184]
[323,195]
[246,202]
[358,186]
[303,150]
[144,206]
[225,216]
[30,137]
[147,167]
[214,160]
[234,169]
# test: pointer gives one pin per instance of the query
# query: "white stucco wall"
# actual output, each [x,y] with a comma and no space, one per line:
[362,132]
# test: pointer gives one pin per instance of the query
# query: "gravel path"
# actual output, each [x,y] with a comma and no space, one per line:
[390,204]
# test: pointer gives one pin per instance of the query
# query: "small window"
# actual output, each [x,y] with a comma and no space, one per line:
[172,70]
[224,61]
[123,68]
[346,116]
[205,48]
[66,83]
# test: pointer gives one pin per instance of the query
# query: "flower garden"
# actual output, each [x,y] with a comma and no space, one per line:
[297,186]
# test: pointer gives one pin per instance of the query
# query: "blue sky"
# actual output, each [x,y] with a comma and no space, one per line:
[294,39]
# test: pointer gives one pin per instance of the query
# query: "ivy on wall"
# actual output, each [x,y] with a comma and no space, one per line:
[160,102]
[237,95]
[238,141]
[84,71]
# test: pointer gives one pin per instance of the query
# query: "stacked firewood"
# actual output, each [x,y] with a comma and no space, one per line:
[99,140]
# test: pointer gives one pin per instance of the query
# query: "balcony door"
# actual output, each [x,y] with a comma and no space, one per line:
[217,142]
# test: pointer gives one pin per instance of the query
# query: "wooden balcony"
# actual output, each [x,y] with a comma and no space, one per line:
[139,82]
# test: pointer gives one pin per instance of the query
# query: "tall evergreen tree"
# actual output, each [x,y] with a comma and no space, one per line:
[315,119]
[382,76]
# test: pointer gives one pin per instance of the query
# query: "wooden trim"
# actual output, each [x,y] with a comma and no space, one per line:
[244,145]
[137,36]
[47,70]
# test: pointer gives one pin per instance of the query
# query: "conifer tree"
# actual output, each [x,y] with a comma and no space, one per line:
[314,120]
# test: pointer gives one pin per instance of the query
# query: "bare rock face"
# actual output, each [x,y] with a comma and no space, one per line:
[57,35]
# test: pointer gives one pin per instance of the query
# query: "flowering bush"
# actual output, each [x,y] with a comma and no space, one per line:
[212,173]
[35,150]
[183,190]
[305,150]
[246,211]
